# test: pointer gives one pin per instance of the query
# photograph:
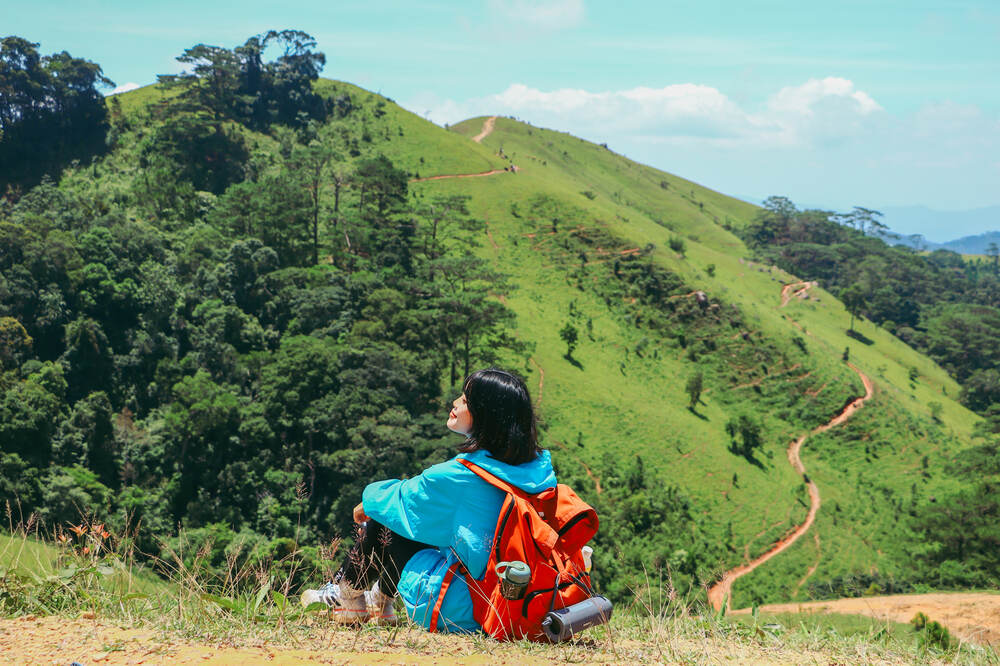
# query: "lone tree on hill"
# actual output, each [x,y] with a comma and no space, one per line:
[569,335]
[745,434]
[994,251]
[694,388]
[854,300]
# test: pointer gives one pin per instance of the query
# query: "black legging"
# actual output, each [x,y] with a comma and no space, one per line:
[378,553]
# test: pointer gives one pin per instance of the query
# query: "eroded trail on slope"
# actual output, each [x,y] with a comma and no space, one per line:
[488,126]
[795,290]
[719,593]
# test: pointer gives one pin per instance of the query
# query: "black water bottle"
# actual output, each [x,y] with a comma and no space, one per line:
[564,623]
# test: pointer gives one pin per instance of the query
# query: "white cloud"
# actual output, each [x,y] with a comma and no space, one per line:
[125,87]
[550,14]
[819,110]
[804,98]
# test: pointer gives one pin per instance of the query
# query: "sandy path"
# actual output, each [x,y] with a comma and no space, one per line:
[719,593]
[488,125]
[973,616]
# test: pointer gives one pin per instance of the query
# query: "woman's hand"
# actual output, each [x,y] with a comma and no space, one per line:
[359,514]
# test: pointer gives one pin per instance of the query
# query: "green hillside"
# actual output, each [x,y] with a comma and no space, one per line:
[641,410]
[254,357]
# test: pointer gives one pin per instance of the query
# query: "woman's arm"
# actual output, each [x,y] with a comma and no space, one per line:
[422,508]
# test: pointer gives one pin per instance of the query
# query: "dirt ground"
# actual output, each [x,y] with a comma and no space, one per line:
[89,642]
[99,642]
[971,616]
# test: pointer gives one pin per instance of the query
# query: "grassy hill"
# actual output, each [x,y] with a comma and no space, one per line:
[620,251]
[619,404]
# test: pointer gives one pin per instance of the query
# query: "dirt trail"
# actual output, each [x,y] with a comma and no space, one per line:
[593,477]
[488,125]
[541,382]
[973,616]
[719,594]
[492,172]
[489,234]
[795,290]
[812,569]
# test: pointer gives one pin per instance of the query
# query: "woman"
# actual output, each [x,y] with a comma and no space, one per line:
[413,530]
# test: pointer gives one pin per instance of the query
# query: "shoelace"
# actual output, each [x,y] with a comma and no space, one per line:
[329,594]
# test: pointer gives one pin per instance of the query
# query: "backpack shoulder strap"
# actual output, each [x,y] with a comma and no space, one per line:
[494,481]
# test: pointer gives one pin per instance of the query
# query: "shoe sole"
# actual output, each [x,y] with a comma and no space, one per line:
[349,616]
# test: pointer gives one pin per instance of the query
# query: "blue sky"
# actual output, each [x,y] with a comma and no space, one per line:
[885,103]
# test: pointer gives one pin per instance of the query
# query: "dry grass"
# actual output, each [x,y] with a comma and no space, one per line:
[60,604]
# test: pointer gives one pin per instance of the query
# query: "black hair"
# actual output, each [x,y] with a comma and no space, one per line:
[503,420]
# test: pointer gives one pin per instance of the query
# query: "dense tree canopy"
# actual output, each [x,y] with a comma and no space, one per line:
[51,111]
[211,340]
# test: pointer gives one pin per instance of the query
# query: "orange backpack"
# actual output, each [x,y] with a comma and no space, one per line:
[546,531]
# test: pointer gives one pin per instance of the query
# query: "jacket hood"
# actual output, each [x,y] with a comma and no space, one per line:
[531,477]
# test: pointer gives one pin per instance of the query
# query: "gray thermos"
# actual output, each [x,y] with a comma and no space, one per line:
[564,623]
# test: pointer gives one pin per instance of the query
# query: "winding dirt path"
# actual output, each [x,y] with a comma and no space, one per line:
[719,594]
[488,125]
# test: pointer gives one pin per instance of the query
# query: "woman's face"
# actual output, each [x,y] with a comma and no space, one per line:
[460,420]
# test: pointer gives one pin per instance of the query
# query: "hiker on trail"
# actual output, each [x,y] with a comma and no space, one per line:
[412,531]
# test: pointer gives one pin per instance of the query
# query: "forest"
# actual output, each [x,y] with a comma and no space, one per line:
[186,345]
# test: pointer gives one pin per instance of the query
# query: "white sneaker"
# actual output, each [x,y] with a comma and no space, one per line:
[349,606]
[383,607]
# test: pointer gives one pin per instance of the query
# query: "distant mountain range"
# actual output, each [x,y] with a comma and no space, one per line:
[978,244]
[941,226]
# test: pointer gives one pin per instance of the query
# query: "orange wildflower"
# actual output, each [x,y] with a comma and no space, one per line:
[79,530]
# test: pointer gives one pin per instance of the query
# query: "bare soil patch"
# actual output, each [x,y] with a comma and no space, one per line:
[971,616]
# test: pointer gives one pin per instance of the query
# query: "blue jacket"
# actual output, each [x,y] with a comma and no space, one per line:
[452,509]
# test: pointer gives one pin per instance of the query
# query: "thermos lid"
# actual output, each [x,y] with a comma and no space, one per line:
[517,571]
